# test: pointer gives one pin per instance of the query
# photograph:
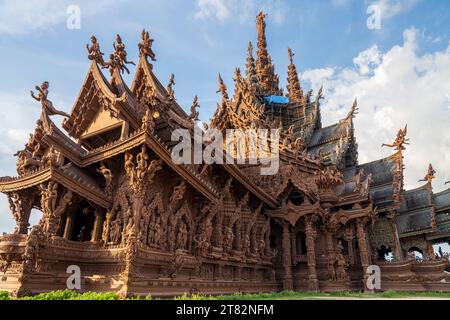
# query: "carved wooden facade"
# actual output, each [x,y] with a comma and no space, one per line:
[114,203]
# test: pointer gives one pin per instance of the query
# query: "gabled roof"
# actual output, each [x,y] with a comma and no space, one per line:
[415,199]
[387,180]
[95,86]
[419,221]
[442,200]
[145,73]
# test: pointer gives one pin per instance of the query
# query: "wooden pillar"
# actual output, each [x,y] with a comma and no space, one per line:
[313,283]
[96,232]
[398,252]
[287,259]
[363,251]
[431,255]
[69,226]
[348,237]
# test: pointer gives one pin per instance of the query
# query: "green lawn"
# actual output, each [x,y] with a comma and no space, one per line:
[286,295]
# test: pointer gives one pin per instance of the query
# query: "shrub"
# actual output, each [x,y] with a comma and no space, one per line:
[4,295]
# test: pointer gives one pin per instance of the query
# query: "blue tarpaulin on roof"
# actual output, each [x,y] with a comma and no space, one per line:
[276,99]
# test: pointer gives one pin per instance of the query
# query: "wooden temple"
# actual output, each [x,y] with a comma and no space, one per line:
[115,204]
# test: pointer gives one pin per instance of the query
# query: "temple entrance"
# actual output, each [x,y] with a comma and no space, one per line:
[83,223]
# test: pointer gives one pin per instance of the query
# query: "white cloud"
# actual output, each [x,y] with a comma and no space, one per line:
[23,17]
[391,8]
[243,10]
[395,88]
[212,8]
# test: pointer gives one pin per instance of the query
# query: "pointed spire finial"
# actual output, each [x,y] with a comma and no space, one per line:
[295,91]
[265,70]
[291,56]
[354,110]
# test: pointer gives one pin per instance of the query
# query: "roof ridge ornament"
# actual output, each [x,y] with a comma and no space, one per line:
[400,140]
[121,55]
[170,91]
[295,91]
[430,174]
[194,113]
[94,52]
[47,106]
[145,46]
[222,89]
[353,111]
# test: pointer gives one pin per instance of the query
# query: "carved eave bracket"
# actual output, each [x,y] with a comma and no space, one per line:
[292,213]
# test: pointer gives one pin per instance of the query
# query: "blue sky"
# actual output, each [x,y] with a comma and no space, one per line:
[198,39]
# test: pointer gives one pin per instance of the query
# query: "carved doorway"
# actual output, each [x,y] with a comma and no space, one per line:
[83,223]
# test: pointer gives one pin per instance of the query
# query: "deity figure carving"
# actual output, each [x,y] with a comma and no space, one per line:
[94,52]
[194,113]
[341,274]
[26,161]
[178,260]
[121,55]
[148,124]
[331,259]
[47,106]
[111,64]
[108,176]
[145,46]
[400,140]
[170,92]
[32,249]
[228,241]
[182,236]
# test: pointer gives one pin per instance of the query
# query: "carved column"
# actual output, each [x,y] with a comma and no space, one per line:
[287,259]
[96,232]
[430,251]
[363,251]
[313,283]
[398,247]
[69,225]
[348,237]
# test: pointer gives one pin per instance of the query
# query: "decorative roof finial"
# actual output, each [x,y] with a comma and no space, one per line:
[222,89]
[291,56]
[354,110]
[47,106]
[237,74]
[121,55]
[295,92]
[170,85]
[145,46]
[194,113]
[430,174]
[94,52]
[264,68]
[400,140]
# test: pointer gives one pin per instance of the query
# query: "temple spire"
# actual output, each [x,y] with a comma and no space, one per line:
[295,92]
[250,71]
[264,68]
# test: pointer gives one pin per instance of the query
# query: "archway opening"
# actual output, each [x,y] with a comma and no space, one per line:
[418,253]
[83,222]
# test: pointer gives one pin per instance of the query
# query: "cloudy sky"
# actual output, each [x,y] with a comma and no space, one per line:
[398,66]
